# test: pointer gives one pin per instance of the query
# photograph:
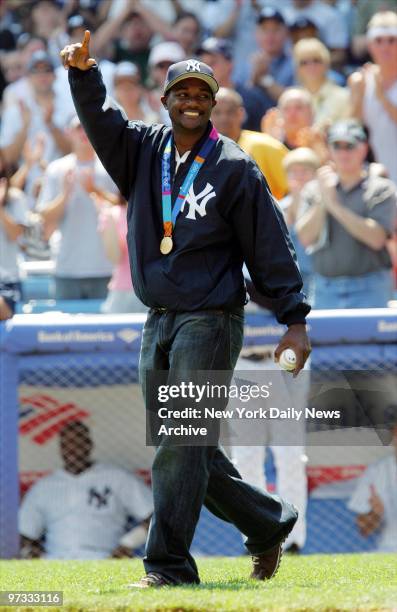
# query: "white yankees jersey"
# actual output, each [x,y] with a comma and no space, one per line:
[382,475]
[83,516]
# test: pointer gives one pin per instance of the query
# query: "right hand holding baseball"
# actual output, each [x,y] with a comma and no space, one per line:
[78,55]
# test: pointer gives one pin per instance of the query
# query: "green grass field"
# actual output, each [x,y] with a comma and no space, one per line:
[318,582]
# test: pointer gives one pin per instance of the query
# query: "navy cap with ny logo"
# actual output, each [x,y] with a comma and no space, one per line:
[188,69]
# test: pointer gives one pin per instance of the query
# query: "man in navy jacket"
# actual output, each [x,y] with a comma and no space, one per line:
[198,209]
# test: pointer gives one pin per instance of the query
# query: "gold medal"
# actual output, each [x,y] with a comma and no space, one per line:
[166,245]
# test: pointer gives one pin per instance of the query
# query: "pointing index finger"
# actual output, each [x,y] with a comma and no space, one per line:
[86,39]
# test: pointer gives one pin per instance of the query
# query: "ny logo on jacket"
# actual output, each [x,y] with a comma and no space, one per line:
[192,200]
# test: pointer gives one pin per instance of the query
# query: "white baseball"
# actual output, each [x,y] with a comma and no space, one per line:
[287,360]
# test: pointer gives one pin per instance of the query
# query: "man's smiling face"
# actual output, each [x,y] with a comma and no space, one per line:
[189,104]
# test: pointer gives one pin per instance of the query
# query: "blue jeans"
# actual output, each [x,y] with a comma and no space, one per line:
[372,290]
[186,477]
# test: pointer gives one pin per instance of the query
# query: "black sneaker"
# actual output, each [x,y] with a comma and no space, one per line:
[151,580]
[266,564]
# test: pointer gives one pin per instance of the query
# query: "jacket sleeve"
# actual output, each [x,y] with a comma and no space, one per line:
[116,140]
[268,251]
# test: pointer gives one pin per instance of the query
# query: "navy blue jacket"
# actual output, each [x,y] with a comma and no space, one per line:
[228,218]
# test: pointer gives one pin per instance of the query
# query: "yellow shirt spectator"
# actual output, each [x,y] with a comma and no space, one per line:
[228,116]
[268,153]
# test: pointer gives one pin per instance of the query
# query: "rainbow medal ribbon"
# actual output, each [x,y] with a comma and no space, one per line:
[170,213]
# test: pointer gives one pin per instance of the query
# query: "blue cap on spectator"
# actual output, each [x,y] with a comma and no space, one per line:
[40,57]
[216,45]
[347,130]
[301,23]
[270,13]
[188,69]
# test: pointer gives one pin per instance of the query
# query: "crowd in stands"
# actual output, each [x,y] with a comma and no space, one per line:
[308,89]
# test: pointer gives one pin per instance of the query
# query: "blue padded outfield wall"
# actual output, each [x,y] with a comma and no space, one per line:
[59,367]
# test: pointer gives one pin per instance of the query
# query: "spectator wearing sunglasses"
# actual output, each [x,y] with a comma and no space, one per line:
[373,90]
[347,216]
[363,13]
[161,57]
[312,61]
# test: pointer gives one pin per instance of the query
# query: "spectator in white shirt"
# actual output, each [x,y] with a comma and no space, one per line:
[131,94]
[82,270]
[374,90]
[375,500]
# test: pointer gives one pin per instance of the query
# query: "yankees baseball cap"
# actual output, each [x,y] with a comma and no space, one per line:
[347,130]
[189,69]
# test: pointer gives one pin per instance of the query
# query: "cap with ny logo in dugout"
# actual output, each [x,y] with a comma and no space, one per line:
[188,69]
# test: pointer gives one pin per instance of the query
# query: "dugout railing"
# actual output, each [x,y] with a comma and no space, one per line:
[58,367]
